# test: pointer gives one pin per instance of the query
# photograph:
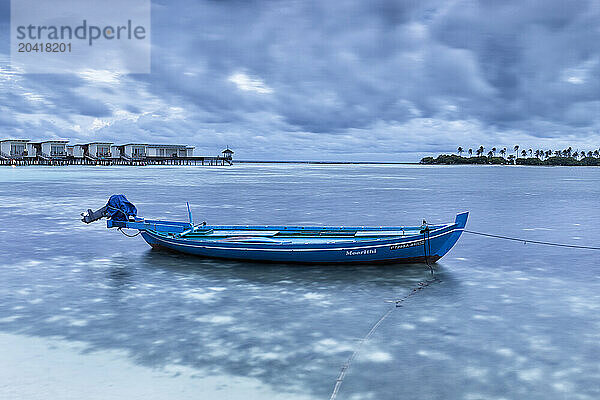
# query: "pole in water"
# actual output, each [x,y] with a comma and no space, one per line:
[426,244]
[190,214]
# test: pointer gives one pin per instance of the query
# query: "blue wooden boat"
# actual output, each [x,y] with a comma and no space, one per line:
[303,244]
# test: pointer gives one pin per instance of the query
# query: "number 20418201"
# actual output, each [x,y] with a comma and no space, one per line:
[26,47]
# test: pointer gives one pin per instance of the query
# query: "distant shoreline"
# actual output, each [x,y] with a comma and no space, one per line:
[443,159]
[452,159]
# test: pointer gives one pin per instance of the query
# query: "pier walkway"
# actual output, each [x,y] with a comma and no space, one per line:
[137,161]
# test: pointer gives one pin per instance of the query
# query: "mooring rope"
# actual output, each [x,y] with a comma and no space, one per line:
[423,284]
[123,232]
[525,241]
[346,366]
[427,244]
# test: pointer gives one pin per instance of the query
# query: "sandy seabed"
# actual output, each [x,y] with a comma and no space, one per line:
[39,368]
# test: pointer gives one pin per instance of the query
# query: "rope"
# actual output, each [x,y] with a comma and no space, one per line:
[117,210]
[428,251]
[346,366]
[123,232]
[525,241]
[423,284]
[426,245]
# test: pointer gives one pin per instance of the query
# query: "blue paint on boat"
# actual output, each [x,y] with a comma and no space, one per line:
[301,244]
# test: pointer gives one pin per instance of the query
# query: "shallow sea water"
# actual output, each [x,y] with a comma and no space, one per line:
[94,309]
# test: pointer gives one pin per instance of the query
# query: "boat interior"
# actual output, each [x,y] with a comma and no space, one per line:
[296,234]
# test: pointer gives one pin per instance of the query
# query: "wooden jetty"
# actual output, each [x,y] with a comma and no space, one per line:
[18,152]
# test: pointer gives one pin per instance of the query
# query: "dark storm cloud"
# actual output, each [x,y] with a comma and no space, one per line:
[524,51]
[381,74]
[336,65]
[331,65]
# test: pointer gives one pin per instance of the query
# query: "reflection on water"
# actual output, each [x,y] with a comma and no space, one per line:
[506,320]
[288,325]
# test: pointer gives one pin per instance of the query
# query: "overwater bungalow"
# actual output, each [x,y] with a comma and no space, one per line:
[52,149]
[169,150]
[98,150]
[134,151]
[13,148]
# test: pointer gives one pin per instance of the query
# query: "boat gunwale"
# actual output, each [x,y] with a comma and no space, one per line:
[340,228]
[282,246]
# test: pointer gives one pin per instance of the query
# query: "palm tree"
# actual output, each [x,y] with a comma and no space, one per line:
[470,152]
[530,153]
[537,154]
[589,154]
[557,153]
[596,153]
[524,153]
[517,151]
[459,151]
[494,151]
[503,152]
[480,150]
[569,151]
[490,154]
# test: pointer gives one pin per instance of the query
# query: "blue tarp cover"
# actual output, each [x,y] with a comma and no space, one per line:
[119,208]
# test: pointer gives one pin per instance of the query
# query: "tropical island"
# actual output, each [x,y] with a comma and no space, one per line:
[566,157]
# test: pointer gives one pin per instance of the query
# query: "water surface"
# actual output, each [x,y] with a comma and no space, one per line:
[507,320]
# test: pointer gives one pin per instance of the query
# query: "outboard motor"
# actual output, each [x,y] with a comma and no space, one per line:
[90,216]
[118,208]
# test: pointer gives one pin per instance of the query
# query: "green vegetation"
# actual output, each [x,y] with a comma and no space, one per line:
[566,157]
[454,159]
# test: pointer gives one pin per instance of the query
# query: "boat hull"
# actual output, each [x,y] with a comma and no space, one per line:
[426,247]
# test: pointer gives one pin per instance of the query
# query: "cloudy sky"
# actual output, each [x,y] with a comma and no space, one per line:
[337,80]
